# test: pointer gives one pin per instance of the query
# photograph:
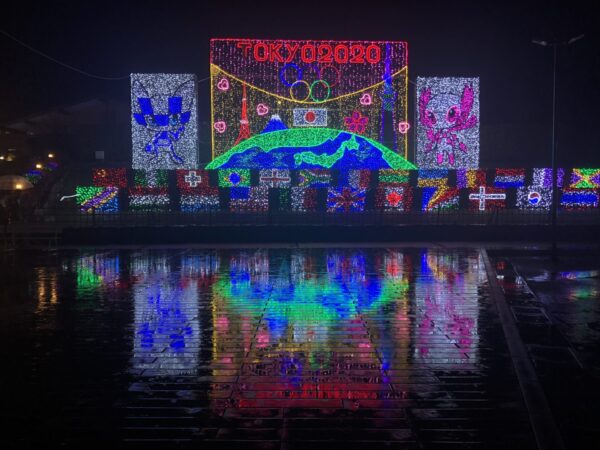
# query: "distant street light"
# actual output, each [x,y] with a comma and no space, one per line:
[554,207]
[50,155]
[38,166]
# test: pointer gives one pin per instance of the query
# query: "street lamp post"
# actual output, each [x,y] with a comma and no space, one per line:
[554,206]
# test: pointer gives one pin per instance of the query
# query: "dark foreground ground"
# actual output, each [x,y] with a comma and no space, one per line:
[293,348]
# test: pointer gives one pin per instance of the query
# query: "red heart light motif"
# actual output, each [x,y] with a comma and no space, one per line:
[403,127]
[366,99]
[262,109]
[220,126]
[223,84]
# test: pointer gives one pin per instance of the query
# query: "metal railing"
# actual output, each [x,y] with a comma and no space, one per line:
[60,219]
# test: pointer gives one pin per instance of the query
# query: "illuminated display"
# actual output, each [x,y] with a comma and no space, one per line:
[274,178]
[391,177]
[488,197]
[249,199]
[95,198]
[314,178]
[534,197]
[579,198]
[440,197]
[110,177]
[344,89]
[394,198]
[506,178]
[470,178]
[148,198]
[354,190]
[346,199]
[585,179]
[448,122]
[164,121]
[310,148]
[234,178]
[303,199]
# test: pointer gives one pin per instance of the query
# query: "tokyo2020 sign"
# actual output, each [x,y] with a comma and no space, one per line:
[333,103]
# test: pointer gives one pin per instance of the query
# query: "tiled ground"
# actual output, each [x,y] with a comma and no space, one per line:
[285,349]
[557,308]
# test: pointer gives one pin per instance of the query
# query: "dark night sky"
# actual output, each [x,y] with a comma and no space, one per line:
[450,38]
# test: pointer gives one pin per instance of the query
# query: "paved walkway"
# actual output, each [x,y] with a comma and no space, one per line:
[245,348]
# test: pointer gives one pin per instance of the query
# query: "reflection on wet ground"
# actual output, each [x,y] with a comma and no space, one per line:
[557,308]
[258,349]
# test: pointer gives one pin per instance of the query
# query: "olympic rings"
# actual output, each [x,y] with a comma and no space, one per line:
[337,78]
[326,84]
[309,87]
[282,74]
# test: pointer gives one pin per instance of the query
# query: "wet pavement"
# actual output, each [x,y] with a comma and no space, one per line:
[557,309]
[256,348]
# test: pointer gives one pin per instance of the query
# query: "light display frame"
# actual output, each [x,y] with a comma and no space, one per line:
[164,121]
[308,84]
[448,118]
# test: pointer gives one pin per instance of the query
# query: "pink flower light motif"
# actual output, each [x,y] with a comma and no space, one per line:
[262,109]
[220,126]
[357,123]
[223,84]
[403,127]
[366,100]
